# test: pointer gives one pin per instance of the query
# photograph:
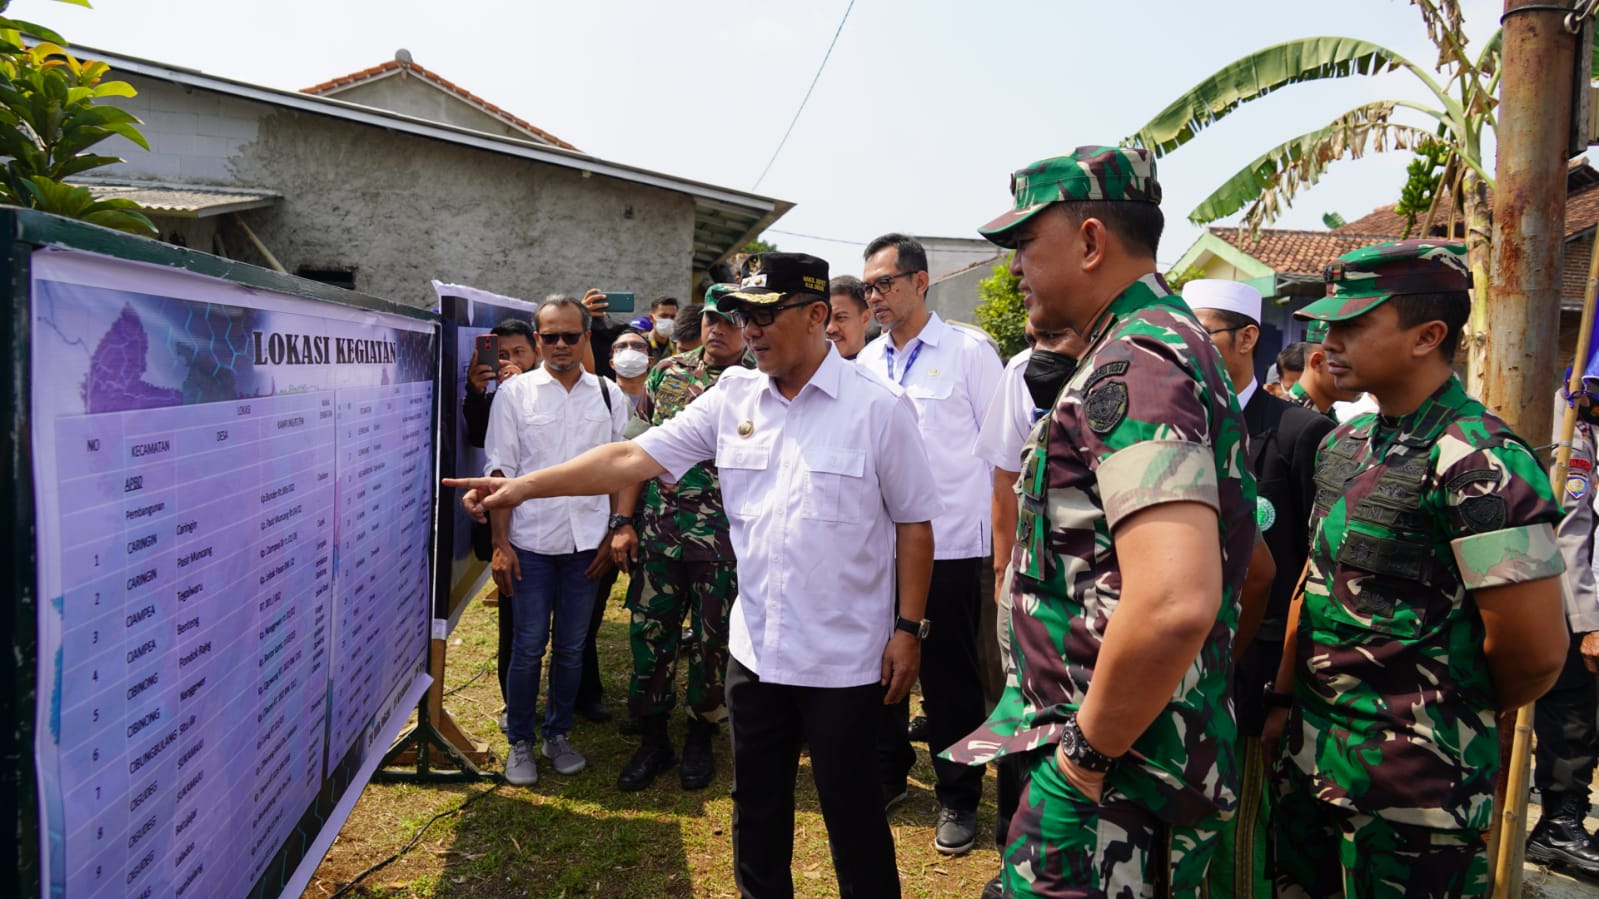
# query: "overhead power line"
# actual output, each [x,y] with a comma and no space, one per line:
[825,57]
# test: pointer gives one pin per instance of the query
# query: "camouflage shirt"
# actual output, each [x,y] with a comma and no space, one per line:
[1394,707]
[684,520]
[1148,418]
[1297,394]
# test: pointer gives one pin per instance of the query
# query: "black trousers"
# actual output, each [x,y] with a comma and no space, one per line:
[1568,733]
[769,723]
[952,688]
[589,691]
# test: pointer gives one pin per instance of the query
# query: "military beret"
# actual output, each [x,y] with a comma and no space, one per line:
[1362,280]
[1087,173]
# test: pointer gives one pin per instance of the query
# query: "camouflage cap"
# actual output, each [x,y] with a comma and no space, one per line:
[768,277]
[1088,173]
[1316,331]
[715,293]
[1362,280]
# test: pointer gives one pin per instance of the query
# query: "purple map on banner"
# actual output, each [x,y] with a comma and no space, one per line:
[115,382]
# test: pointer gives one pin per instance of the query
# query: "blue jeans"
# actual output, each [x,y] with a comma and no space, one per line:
[551,588]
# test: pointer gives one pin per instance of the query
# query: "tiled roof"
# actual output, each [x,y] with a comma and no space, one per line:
[393,66]
[1295,252]
[1582,209]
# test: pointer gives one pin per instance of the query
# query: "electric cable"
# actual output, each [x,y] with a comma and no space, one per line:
[825,57]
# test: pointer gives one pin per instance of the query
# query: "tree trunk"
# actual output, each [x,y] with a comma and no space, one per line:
[1479,249]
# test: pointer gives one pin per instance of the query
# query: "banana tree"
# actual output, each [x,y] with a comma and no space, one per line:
[1462,86]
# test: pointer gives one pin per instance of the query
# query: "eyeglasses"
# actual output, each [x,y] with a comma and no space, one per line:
[1224,330]
[570,338]
[630,345]
[883,284]
[761,316]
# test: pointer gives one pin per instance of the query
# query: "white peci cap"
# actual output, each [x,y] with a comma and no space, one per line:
[1225,296]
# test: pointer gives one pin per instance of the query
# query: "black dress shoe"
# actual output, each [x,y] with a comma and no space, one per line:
[654,756]
[994,889]
[596,712]
[630,726]
[918,731]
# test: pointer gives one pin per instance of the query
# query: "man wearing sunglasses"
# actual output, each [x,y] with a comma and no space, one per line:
[822,473]
[544,552]
[951,377]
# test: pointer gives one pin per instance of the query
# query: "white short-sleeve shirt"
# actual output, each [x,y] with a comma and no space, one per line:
[951,376]
[535,423]
[1009,419]
[813,488]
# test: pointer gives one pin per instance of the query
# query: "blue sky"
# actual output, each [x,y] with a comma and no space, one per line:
[923,111]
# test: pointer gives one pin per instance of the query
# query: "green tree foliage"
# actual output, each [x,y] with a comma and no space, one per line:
[1000,311]
[760,246]
[50,118]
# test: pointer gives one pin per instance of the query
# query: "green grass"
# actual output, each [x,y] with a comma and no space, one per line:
[579,835]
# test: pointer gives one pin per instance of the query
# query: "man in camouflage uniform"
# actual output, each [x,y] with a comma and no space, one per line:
[1432,598]
[1135,527]
[686,568]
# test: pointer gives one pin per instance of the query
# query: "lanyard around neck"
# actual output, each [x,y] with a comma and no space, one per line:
[888,360]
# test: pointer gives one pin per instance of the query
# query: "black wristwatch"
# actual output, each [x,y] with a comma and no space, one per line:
[1275,700]
[918,629]
[619,520]
[1075,747]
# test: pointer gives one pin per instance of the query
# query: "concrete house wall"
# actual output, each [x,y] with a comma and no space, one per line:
[412,96]
[401,209]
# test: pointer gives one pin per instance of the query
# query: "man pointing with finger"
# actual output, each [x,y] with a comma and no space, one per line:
[823,475]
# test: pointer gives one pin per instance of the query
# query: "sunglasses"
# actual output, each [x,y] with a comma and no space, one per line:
[570,338]
[762,316]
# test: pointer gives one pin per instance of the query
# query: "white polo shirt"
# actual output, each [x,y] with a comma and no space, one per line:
[950,375]
[1009,419]
[535,423]
[813,488]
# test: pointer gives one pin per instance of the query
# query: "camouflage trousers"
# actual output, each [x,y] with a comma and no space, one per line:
[1325,850]
[1243,866]
[672,589]
[1062,844]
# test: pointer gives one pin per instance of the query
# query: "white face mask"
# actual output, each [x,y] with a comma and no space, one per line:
[665,327]
[630,363]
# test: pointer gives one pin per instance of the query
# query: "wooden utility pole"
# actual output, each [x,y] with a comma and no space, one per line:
[1535,100]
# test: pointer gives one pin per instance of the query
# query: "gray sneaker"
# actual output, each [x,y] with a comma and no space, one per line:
[560,752]
[520,768]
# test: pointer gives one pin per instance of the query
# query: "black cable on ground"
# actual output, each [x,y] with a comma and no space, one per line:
[416,838]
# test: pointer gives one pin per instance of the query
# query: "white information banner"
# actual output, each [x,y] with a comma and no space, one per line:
[234,513]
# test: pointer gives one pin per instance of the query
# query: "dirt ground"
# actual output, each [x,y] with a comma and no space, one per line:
[580,836]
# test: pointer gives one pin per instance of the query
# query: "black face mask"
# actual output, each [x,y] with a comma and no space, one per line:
[1047,372]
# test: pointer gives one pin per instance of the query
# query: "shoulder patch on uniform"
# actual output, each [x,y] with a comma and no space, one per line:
[1265,513]
[1580,465]
[1475,476]
[1576,485]
[1483,514]
[1106,406]
[1108,370]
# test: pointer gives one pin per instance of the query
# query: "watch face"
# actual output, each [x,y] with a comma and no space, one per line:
[1068,741]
